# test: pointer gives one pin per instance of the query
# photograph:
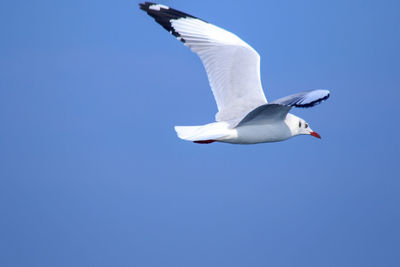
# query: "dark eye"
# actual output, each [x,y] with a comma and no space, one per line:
[306,125]
[299,124]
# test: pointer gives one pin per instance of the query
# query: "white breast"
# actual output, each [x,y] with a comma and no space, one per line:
[260,134]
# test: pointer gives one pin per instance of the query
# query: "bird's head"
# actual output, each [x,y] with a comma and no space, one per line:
[299,126]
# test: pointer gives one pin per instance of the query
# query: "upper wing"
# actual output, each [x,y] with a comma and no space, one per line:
[233,67]
[304,99]
[265,114]
[278,109]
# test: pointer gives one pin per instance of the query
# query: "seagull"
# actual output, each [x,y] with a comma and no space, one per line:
[233,69]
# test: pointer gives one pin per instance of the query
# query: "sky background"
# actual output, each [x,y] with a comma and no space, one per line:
[92,173]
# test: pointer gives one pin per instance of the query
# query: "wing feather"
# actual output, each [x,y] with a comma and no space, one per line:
[232,66]
[304,99]
[265,114]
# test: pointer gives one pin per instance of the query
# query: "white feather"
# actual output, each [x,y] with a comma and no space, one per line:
[232,66]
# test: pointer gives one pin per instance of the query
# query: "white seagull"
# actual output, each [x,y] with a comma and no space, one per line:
[233,69]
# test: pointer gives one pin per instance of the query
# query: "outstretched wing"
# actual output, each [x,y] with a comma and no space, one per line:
[265,114]
[304,99]
[232,66]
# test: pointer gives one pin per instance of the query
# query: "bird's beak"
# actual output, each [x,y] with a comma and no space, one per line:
[315,134]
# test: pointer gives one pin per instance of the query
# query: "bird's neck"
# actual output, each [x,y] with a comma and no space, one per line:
[292,121]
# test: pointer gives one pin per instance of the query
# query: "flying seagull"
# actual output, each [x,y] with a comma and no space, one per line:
[233,69]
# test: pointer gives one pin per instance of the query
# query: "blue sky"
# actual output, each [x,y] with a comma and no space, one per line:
[92,173]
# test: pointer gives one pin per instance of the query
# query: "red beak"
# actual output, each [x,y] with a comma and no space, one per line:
[315,134]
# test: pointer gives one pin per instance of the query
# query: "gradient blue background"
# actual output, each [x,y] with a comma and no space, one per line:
[92,173]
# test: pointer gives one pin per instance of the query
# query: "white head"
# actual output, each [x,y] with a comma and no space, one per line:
[299,126]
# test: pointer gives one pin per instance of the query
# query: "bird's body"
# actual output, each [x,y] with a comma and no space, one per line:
[263,133]
[233,69]
[245,134]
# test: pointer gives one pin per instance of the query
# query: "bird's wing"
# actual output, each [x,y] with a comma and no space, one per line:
[265,114]
[304,99]
[278,109]
[233,67]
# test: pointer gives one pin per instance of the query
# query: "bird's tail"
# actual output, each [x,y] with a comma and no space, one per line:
[203,134]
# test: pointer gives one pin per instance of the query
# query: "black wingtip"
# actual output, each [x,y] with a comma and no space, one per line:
[146,5]
[316,102]
[163,16]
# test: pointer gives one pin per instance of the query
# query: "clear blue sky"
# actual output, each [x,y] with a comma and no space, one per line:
[92,173]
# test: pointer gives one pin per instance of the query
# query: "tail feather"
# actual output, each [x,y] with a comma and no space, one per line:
[190,133]
[199,134]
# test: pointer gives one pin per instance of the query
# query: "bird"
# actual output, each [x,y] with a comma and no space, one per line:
[233,68]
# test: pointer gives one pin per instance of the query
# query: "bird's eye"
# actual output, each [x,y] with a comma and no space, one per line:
[299,124]
[306,125]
